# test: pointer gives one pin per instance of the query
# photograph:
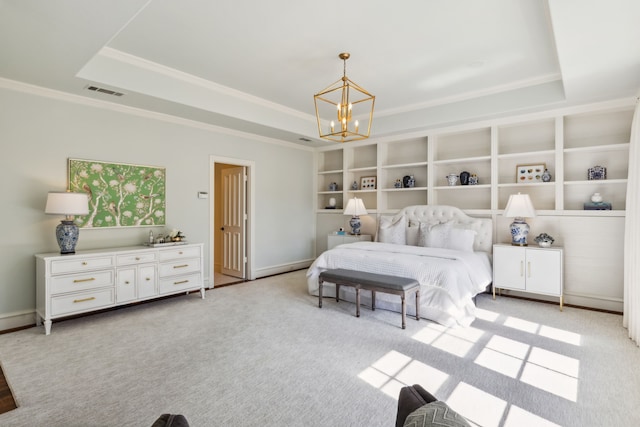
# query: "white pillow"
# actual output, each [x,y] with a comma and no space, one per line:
[461,239]
[413,233]
[446,236]
[392,232]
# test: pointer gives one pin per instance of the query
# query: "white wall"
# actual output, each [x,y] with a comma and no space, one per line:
[39,133]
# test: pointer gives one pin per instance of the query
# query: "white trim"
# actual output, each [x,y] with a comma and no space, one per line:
[251,208]
[17,319]
[139,112]
[172,73]
[283,268]
[549,78]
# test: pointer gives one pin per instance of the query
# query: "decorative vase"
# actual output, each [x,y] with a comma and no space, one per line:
[452,179]
[332,202]
[405,181]
[473,179]
[546,176]
[596,198]
[67,234]
[333,187]
[464,178]
[411,182]
[398,183]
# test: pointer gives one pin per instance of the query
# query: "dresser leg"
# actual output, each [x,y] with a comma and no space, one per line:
[202,293]
[47,327]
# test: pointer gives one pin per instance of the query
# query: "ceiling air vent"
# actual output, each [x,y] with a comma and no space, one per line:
[105,91]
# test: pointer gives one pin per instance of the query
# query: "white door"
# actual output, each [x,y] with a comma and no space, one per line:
[509,267]
[234,222]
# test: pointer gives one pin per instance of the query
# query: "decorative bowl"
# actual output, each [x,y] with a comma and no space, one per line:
[544,244]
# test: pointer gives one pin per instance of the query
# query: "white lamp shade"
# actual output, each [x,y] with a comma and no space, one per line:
[519,206]
[355,207]
[64,203]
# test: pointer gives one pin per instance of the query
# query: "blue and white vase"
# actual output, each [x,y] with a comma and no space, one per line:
[67,234]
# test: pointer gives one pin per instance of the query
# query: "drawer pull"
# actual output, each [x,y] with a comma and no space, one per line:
[137,258]
[90,279]
[84,262]
[181,266]
[126,282]
[147,279]
[181,282]
[84,299]
[180,253]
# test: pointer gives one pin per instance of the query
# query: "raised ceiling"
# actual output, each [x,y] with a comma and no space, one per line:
[254,65]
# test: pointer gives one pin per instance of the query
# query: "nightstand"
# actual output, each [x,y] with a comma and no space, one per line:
[528,269]
[334,240]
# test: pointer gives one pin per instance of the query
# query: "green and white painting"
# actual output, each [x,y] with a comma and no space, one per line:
[120,195]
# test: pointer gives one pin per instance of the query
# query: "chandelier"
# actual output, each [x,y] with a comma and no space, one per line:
[344,110]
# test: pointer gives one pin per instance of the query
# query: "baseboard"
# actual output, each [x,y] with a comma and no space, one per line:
[12,321]
[282,268]
[596,302]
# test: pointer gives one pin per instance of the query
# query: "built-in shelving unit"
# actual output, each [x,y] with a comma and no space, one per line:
[567,145]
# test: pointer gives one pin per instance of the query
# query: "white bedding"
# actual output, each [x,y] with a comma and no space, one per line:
[448,279]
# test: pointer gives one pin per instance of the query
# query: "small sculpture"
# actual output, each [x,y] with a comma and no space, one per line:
[546,176]
[354,185]
[544,240]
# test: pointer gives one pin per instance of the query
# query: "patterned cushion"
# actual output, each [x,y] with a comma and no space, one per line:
[392,232]
[435,414]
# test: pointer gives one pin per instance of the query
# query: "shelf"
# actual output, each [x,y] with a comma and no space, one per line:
[462,160]
[462,187]
[330,172]
[526,184]
[368,168]
[595,148]
[597,182]
[404,189]
[361,191]
[526,154]
[405,165]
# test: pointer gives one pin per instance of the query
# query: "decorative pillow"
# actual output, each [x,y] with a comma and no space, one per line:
[413,232]
[434,235]
[446,236]
[392,232]
[461,239]
[435,414]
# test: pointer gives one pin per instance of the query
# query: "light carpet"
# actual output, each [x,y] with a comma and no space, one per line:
[263,353]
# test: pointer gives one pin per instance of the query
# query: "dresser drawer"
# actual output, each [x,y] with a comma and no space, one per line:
[180,252]
[81,282]
[179,267]
[78,264]
[81,301]
[137,258]
[176,284]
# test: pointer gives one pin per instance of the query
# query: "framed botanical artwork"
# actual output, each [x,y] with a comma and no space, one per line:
[368,183]
[120,194]
[529,173]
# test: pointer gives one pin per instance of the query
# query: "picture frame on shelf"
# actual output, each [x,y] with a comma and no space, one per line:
[530,173]
[368,183]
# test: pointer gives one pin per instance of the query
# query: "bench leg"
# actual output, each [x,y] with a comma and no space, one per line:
[320,293]
[404,310]
[358,301]
[373,300]
[337,292]
[418,304]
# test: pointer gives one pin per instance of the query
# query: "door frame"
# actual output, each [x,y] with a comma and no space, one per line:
[250,250]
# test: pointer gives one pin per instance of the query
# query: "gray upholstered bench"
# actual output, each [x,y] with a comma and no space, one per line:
[373,282]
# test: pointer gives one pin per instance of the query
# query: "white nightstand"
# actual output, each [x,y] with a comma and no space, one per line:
[334,240]
[528,269]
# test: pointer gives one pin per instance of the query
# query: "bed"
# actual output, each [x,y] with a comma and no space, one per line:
[447,251]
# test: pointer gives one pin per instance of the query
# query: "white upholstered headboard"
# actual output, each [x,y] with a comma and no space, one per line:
[441,213]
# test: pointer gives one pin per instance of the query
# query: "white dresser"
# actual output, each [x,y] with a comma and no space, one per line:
[92,280]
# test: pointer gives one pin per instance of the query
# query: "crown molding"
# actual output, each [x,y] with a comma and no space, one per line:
[139,112]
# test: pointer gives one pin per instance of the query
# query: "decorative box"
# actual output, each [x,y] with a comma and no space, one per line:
[602,206]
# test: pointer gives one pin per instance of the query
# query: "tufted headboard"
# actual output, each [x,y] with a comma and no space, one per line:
[442,213]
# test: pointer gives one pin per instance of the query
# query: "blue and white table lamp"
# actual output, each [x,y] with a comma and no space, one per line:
[519,207]
[67,204]
[355,208]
